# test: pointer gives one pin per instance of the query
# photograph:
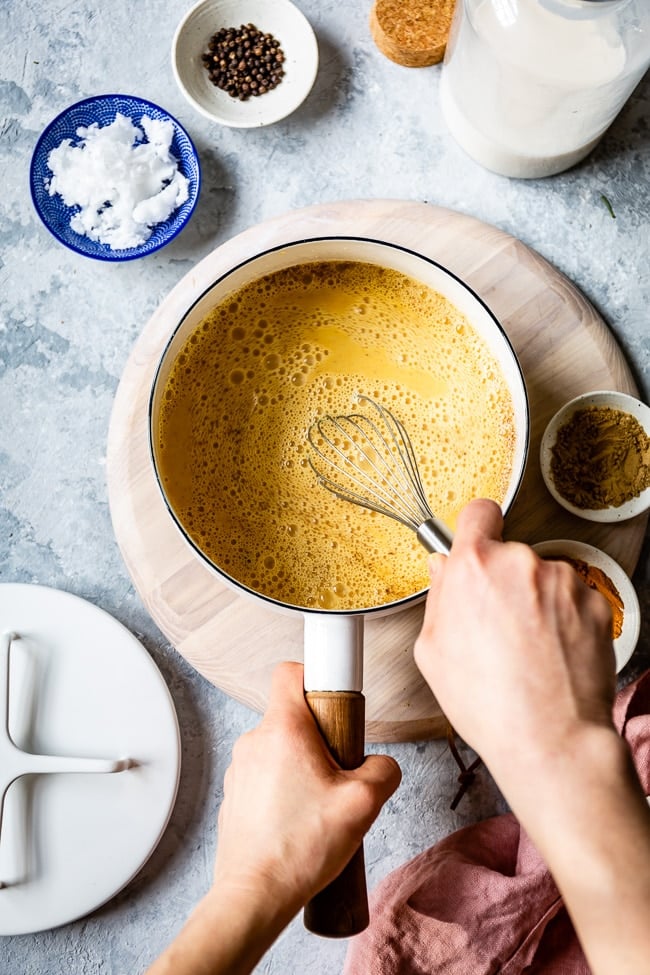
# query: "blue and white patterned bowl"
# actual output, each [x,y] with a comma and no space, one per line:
[103,109]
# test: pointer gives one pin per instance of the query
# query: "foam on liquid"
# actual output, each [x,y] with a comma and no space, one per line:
[272,358]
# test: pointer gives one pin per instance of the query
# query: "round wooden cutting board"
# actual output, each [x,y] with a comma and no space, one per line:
[564,349]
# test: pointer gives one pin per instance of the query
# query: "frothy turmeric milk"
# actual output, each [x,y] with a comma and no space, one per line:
[286,349]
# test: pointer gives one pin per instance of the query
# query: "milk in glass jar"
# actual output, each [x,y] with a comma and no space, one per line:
[528,87]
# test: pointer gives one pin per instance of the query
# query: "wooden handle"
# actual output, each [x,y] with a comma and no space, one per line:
[340,910]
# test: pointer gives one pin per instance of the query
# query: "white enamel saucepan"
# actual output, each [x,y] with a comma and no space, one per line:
[333,640]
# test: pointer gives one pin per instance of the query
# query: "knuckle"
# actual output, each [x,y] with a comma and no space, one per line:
[241,747]
[560,574]
[365,798]
[600,608]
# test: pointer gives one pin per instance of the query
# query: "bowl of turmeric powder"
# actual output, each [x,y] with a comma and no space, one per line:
[599,571]
[595,456]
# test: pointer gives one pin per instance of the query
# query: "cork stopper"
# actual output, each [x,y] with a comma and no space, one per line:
[412,33]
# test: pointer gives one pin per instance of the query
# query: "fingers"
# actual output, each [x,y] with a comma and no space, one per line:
[288,710]
[381,772]
[367,788]
[479,521]
[436,565]
[286,686]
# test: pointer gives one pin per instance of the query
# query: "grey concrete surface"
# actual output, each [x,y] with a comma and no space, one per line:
[67,324]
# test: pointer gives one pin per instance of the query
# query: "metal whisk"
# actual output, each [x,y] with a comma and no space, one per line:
[370,461]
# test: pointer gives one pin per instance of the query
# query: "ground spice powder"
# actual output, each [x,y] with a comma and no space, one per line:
[601,458]
[595,578]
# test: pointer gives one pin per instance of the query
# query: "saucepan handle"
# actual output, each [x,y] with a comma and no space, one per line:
[333,681]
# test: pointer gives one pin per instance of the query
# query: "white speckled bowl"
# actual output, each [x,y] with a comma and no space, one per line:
[278,17]
[624,645]
[618,401]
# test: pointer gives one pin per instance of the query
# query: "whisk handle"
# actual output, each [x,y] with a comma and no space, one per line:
[340,910]
[435,536]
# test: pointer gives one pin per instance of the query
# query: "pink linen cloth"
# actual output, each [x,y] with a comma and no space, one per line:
[482,901]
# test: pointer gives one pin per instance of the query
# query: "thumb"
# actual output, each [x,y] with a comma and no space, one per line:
[479,521]
[437,564]
[382,774]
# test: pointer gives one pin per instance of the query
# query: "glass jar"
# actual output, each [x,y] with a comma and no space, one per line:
[528,87]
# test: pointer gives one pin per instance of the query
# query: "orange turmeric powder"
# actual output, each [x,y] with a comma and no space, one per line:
[595,578]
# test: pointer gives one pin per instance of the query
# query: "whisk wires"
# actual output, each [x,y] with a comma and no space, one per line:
[370,461]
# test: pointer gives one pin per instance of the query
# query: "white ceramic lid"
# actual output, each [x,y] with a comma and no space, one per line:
[81,688]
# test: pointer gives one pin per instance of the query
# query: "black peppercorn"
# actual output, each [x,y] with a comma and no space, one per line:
[243,61]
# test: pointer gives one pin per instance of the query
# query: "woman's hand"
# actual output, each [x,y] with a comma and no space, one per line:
[289,822]
[517,650]
[291,818]
[519,653]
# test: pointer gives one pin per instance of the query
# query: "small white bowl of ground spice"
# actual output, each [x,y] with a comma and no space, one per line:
[599,571]
[245,63]
[595,456]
